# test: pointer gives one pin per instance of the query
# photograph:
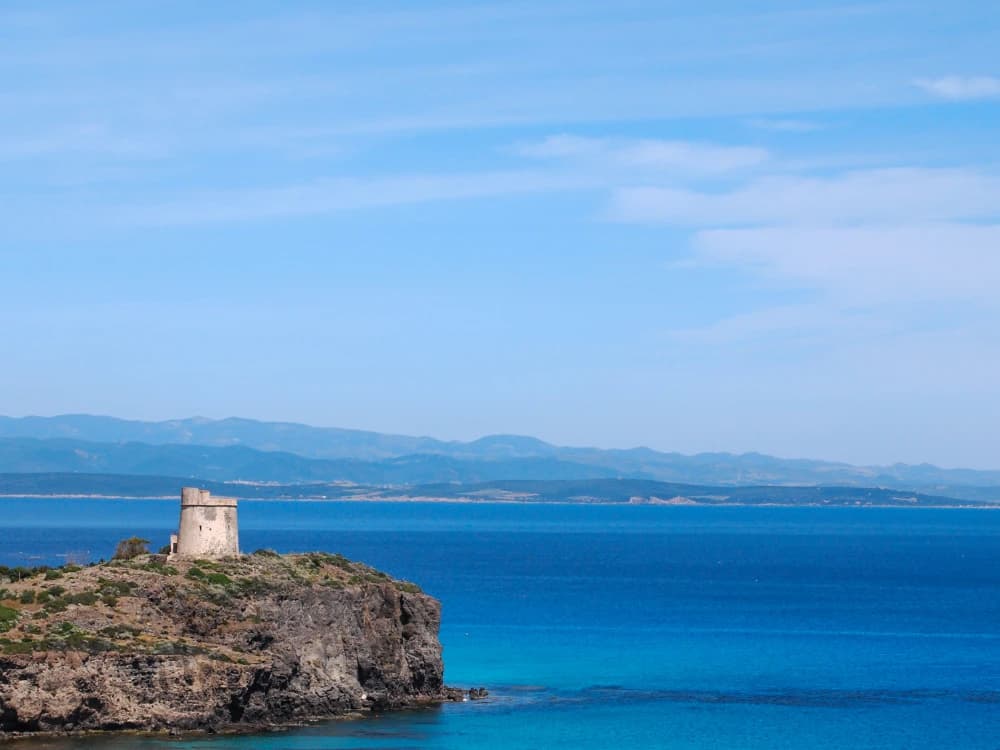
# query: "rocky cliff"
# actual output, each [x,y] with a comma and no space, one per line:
[247,643]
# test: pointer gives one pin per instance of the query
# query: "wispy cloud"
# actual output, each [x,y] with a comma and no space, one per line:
[784,125]
[647,153]
[875,195]
[879,241]
[85,138]
[901,306]
[868,265]
[333,195]
[960,88]
[784,322]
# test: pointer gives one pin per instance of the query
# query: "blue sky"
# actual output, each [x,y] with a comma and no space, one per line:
[769,226]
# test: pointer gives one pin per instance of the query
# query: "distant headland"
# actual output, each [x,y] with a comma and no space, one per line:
[526,491]
[201,638]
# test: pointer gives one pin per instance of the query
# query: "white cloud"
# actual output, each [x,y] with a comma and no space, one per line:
[868,265]
[84,138]
[334,195]
[784,322]
[874,195]
[961,87]
[868,247]
[689,157]
[785,125]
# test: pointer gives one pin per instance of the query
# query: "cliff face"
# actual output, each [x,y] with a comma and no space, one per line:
[253,642]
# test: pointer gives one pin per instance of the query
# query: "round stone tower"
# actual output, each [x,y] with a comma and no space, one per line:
[208,526]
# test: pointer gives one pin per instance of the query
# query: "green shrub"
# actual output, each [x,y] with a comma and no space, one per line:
[13,647]
[108,587]
[219,579]
[120,631]
[42,596]
[67,636]
[316,559]
[159,567]
[266,553]
[7,614]
[51,575]
[58,604]
[252,586]
[84,597]
[130,548]
[28,597]
[56,590]
[88,643]
[20,573]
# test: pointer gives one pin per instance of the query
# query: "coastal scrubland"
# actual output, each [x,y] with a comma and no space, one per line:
[211,645]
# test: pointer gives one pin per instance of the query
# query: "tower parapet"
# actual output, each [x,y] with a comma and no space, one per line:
[208,526]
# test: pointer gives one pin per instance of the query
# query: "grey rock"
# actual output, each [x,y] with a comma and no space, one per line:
[310,642]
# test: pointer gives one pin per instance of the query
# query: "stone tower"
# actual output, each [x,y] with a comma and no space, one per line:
[208,526]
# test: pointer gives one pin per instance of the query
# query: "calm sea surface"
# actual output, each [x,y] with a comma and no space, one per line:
[641,627]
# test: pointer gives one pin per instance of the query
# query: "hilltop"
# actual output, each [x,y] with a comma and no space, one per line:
[253,642]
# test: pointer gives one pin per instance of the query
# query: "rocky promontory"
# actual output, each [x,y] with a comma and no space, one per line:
[253,642]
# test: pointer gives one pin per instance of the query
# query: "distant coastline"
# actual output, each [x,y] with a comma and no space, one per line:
[957,505]
[580,491]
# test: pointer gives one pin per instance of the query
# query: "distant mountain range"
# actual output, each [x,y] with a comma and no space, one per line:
[31,455]
[248,450]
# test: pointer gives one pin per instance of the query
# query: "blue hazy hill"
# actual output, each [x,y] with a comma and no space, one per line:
[235,448]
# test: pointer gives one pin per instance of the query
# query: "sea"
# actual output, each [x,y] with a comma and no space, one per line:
[636,626]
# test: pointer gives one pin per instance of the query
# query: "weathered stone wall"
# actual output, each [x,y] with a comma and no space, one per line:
[208,525]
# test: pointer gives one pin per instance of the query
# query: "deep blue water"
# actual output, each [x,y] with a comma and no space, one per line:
[672,627]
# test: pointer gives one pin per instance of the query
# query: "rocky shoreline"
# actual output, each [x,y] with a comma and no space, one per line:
[245,644]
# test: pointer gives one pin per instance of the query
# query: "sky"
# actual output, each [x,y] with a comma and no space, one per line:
[720,226]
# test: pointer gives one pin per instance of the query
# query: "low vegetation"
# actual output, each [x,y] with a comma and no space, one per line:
[131,548]
[104,607]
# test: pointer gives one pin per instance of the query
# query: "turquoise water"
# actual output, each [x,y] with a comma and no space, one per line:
[600,627]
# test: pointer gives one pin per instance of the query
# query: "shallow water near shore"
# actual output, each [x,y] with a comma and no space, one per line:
[670,627]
